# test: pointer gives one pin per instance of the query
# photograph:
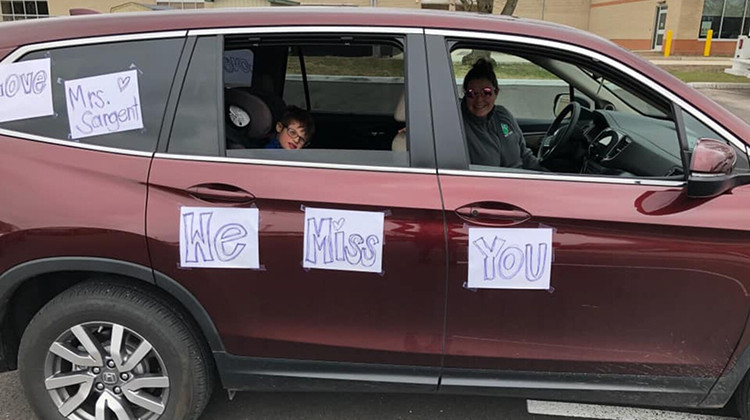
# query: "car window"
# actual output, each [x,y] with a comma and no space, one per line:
[528,90]
[116,96]
[372,75]
[348,88]
[622,130]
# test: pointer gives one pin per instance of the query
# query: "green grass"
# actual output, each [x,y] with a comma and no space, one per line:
[704,74]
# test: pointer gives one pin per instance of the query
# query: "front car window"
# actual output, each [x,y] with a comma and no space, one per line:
[621,129]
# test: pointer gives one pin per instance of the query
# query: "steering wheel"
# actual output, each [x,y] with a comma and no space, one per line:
[555,137]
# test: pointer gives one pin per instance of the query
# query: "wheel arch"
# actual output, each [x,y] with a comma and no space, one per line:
[29,276]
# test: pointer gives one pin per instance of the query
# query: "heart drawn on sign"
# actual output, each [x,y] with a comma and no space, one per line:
[338,224]
[123,82]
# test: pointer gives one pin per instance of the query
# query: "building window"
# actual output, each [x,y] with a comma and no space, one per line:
[727,18]
[22,10]
[180,4]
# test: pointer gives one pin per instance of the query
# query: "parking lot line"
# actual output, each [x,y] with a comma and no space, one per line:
[609,412]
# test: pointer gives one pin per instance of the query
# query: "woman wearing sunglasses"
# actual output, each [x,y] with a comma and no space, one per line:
[492,133]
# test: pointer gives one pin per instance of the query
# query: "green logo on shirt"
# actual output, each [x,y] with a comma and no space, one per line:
[505,128]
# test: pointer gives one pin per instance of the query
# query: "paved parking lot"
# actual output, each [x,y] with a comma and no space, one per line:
[328,406]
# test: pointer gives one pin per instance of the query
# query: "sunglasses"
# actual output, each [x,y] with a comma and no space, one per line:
[487,91]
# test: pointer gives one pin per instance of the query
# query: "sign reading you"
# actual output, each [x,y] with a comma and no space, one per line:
[25,90]
[510,258]
[104,104]
[219,237]
[343,240]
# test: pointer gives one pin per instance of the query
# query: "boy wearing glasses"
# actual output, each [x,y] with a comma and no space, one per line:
[293,131]
[492,133]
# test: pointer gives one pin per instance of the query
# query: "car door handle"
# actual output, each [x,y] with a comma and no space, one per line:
[492,213]
[220,193]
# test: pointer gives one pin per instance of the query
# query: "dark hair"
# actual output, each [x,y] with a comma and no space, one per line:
[301,117]
[482,69]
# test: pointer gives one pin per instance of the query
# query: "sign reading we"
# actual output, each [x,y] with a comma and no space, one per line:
[219,237]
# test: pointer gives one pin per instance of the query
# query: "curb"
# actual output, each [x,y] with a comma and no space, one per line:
[719,85]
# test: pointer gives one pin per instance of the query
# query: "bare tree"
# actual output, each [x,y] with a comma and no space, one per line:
[509,8]
[486,6]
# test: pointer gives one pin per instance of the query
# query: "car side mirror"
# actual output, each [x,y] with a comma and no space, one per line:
[563,99]
[711,168]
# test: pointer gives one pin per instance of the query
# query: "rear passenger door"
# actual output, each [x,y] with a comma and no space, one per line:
[284,309]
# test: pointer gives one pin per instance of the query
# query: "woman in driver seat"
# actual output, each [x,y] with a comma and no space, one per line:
[493,135]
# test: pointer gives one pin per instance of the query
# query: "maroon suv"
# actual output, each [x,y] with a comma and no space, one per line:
[156,234]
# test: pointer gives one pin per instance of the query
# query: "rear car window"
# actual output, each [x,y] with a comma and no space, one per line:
[116,93]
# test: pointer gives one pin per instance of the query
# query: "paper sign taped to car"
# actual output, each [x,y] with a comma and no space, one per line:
[104,104]
[238,67]
[25,90]
[219,237]
[510,258]
[343,240]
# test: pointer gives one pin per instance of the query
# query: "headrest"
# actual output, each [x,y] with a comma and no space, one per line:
[248,112]
[400,113]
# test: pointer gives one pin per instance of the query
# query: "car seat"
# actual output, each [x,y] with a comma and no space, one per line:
[250,116]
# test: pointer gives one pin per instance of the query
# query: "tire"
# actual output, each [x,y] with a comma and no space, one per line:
[742,398]
[70,367]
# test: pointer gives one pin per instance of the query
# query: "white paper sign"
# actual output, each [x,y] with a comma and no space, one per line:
[219,237]
[104,104]
[25,90]
[238,67]
[343,240]
[510,258]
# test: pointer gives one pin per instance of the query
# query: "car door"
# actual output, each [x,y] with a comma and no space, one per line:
[281,312]
[637,267]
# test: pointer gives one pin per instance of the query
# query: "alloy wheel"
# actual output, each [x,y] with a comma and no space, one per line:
[102,370]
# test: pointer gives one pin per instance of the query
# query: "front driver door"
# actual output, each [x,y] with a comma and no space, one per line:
[637,274]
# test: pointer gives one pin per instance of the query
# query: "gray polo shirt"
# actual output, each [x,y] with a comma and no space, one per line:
[497,140]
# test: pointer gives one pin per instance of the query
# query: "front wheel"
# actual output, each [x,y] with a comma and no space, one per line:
[110,350]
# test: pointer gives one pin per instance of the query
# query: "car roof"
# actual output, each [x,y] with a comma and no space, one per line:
[28,32]
[15,34]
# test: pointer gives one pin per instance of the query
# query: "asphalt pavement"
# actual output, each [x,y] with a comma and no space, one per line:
[345,406]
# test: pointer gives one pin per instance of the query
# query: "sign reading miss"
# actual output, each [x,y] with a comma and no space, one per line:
[25,90]
[343,240]
[510,258]
[104,104]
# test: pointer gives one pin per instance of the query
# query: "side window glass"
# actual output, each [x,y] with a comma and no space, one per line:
[337,100]
[196,125]
[526,89]
[371,74]
[511,98]
[106,103]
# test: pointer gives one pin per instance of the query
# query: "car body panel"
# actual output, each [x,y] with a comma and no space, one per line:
[395,317]
[633,293]
[46,217]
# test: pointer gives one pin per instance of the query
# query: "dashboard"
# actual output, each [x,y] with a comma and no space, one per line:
[630,145]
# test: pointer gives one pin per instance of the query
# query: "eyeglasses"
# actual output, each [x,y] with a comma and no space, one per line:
[486,91]
[295,135]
